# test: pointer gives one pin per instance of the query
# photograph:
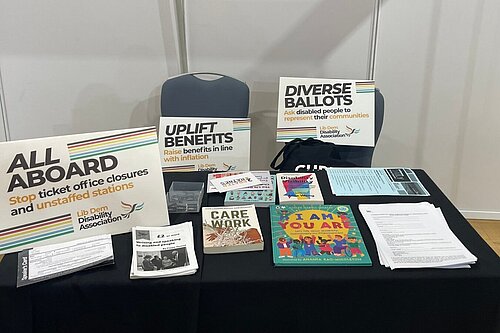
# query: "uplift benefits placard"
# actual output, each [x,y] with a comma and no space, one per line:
[339,111]
[204,144]
[63,188]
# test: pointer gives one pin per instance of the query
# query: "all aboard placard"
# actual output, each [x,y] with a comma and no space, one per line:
[63,188]
[204,144]
[339,111]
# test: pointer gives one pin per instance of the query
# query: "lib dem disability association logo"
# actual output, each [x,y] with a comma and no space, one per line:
[130,208]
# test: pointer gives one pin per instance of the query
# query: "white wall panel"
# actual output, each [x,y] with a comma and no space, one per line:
[433,76]
[78,66]
[479,164]
[259,41]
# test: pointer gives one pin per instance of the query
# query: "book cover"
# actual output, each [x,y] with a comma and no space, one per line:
[300,188]
[231,229]
[316,235]
[260,198]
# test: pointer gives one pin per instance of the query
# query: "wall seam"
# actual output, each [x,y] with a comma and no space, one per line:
[180,15]
[374,40]
[3,108]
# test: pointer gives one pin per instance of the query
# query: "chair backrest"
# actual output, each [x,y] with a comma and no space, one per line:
[362,156]
[190,95]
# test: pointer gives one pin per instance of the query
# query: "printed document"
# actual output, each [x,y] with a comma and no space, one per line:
[414,235]
[50,261]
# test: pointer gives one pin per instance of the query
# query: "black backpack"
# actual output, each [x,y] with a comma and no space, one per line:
[308,155]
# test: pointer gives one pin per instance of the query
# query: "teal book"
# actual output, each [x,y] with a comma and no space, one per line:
[316,235]
[259,198]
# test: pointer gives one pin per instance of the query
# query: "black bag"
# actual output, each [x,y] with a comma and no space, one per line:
[308,155]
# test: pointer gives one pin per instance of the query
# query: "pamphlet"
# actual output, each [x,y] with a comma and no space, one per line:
[51,261]
[235,182]
[163,251]
[375,181]
[263,176]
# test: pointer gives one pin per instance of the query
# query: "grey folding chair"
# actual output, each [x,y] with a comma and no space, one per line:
[193,95]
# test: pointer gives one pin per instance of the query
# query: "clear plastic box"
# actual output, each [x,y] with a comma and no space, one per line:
[185,197]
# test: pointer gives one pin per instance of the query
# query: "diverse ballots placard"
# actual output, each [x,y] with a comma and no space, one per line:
[68,187]
[204,144]
[339,111]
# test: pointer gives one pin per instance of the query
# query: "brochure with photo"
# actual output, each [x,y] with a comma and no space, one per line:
[163,251]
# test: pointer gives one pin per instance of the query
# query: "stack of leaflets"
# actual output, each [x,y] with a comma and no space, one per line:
[51,261]
[316,235]
[231,229]
[163,251]
[262,196]
[414,235]
[220,182]
[298,188]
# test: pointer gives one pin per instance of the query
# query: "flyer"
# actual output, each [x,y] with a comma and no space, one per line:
[263,176]
[331,110]
[63,188]
[235,182]
[375,181]
[204,144]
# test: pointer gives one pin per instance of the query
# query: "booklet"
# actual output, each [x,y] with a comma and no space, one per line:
[298,188]
[51,261]
[375,181]
[163,251]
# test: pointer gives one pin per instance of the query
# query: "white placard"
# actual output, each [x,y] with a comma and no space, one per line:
[204,144]
[332,110]
[69,187]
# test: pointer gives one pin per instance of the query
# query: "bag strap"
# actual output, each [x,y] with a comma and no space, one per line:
[273,162]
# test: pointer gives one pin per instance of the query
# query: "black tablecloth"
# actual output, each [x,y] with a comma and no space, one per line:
[244,292]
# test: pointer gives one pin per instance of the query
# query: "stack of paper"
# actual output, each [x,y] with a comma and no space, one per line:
[414,235]
[163,251]
[51,261]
